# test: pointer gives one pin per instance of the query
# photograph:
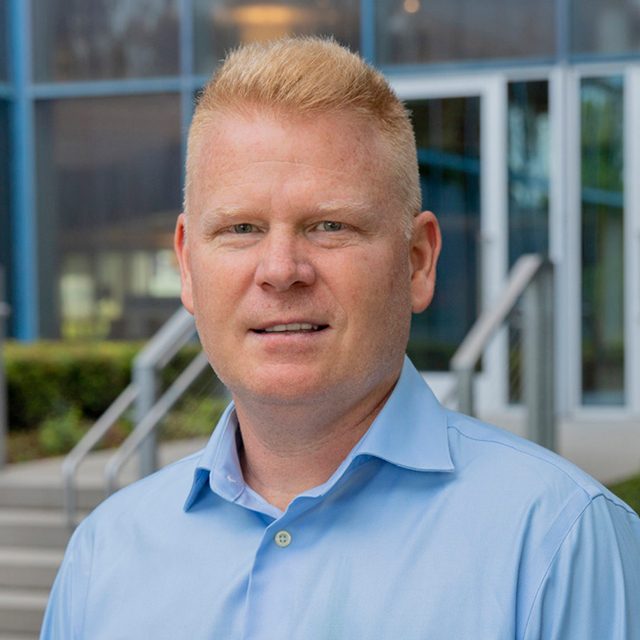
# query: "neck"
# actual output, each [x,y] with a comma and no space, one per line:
[288,450]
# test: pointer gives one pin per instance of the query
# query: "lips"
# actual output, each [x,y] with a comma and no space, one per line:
[292,327]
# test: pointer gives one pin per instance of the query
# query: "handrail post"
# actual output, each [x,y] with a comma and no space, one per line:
[538,385]
[465,390]
[4,421]
[145,378]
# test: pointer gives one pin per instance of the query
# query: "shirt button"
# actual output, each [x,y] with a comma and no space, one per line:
[283,538]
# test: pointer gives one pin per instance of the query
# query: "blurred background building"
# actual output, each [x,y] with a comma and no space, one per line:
[527,117]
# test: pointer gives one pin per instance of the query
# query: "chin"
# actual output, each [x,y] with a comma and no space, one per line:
[284,386]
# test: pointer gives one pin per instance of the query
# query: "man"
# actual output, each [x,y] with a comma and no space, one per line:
[336,499]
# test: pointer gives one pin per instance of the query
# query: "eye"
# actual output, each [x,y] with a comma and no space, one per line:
[244,227]
[329,225]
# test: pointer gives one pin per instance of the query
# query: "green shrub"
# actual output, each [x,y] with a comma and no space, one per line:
[194,417]
[629,491]
[45,378]
[59,434]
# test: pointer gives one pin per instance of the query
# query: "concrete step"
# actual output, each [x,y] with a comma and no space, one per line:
[44,528]
[37,495]
[22,610]
[29,568]
[38,483]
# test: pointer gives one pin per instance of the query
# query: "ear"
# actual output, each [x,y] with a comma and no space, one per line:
[425,249]
[182,251]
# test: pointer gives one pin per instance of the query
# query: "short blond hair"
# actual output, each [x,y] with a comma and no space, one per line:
[314,76]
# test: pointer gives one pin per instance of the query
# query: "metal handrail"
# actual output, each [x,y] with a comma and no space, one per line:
[155,355]
[476,341]
[531,277]
[73,459]
[175,333]
[152,419]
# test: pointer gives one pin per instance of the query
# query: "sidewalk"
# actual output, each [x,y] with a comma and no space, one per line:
[47,471]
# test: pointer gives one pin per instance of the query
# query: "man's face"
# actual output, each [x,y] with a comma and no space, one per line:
[295,262]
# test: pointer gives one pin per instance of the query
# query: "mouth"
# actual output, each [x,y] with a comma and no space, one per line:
[292,328]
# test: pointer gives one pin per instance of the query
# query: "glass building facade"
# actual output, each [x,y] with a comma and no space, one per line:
[527,123]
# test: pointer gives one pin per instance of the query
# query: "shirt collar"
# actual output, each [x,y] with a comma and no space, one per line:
[410,431]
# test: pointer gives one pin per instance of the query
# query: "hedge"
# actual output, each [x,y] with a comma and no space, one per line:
[46,379]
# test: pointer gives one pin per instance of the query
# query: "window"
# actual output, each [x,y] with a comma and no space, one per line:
[223,24]
[448,139]
[424,31]
[611,27]
[602,241]
[109,191]
[80,40]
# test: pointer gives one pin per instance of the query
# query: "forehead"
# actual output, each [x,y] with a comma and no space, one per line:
[337,151]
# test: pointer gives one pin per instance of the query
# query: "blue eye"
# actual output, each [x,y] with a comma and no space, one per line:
[245,227]
[329,225]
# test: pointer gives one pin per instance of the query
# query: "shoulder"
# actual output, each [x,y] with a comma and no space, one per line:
[517,480]
[474,443]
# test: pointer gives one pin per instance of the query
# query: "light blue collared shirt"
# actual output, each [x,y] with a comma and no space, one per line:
[436,526]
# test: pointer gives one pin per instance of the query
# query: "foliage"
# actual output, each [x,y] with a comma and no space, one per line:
[193,418]
[46,379]
[61,433]
[629,491]
[196,417]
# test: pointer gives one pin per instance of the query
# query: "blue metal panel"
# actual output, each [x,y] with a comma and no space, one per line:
[99,88]
[6,91]
[368,30]
[563,29]
[186,71]
[25,266]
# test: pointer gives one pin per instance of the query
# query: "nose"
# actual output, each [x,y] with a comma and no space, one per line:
[284,262]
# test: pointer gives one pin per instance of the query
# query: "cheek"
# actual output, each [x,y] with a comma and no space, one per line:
[379,287]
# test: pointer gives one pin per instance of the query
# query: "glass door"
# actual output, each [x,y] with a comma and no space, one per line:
[448,140]
[460,127]
[604,239]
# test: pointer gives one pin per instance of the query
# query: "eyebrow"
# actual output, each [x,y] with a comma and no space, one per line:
[211,218]
[362,210]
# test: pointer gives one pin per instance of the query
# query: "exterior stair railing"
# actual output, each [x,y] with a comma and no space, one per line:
[143,390]
[530,282]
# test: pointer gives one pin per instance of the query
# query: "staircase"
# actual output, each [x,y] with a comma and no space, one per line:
[34,533]
[33,536]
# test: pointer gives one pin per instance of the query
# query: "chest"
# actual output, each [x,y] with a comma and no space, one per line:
[338,575]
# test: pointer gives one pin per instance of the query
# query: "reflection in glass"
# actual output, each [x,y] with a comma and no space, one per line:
[602,241]
[223,24]
[528,169]
[448,139]
[80,40]
[5,214]
[417,31]
[528,158]
[605,27]
[4,44]
[109,191]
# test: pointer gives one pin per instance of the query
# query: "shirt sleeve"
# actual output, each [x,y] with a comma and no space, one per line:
[591,590]
[64,615]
